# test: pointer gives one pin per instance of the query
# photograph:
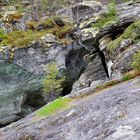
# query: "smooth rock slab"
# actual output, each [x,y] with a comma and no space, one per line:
[111,114]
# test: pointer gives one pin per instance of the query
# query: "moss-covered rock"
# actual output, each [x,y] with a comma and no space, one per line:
[132,32]
[56,26]
[19,38]
[136,61]
[107,18]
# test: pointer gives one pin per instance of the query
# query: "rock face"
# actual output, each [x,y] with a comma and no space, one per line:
[86,62]
[85,10]
[94,74]
[111,114]
[21,76]
[107,65]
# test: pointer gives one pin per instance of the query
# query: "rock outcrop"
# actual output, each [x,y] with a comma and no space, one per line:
[21,76]
[105,64]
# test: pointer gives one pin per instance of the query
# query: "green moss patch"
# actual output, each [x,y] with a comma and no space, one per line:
[104,21]
[107,18]
[132,32]
[136,61]
[2,35]
[53,107]
[56,26]
[21,38]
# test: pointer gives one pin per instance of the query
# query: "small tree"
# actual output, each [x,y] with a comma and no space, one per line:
[52,85]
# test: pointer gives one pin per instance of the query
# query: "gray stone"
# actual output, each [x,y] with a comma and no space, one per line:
[85,9]
[111,114]
[21,77]
[93,73]
[123,61]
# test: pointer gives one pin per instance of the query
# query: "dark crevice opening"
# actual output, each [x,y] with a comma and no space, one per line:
[75,66]
[117,34]
[67,87]
[103,60]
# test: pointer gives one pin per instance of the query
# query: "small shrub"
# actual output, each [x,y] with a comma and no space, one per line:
[31,25]
[56,26]
[112,9]
[52,84]
[136,61]
[53,107]
[14,17]
[107,18]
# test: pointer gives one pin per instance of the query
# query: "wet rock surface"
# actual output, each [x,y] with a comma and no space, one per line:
[110,114]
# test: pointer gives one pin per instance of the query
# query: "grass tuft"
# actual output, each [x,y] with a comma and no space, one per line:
[136,61]
[128,76]
[107,18]
[53,107]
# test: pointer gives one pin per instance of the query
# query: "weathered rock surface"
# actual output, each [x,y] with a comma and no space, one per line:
[94,74]
[85,10]
[122,61]
[21,76]
[111,114]
[112,65]
[85,60]
[126,16]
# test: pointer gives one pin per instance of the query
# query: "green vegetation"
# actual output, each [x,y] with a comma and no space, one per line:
[53,3]
[53,107]
[136,61]
[14,17]
[2,35]
[31,25]
[104,21]
[132,32]
[128,76]
[107,18]
[26,136]
[108,84]
[126,0]
[21,38]
[56,26]
[112,9]
[52,84]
